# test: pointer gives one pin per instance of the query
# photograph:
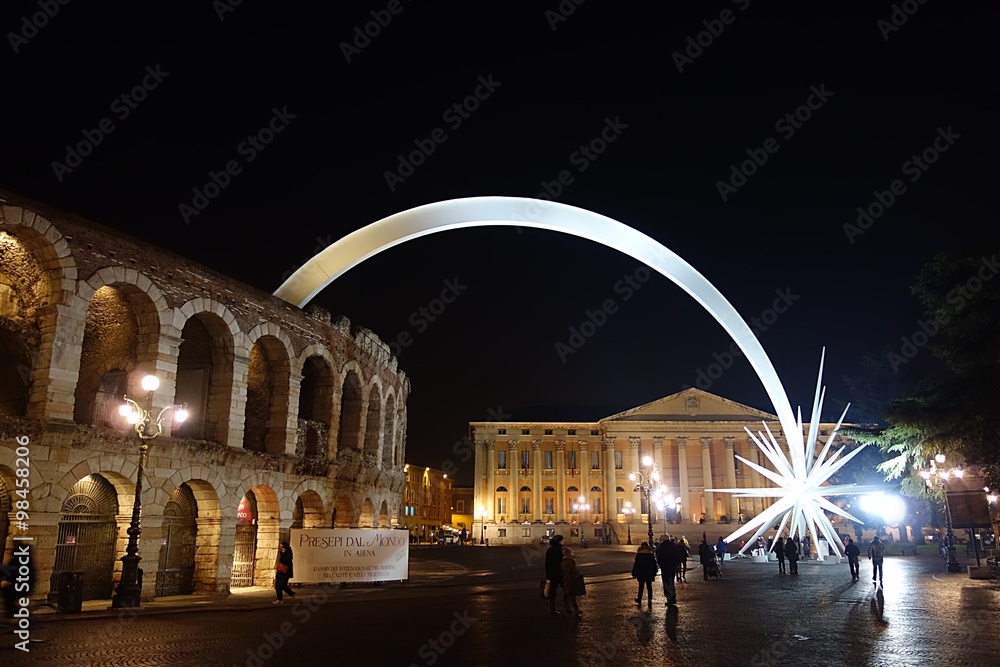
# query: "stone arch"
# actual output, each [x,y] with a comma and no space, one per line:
[351,250]
[367,517]
[388,431]
[349,430]
[268,532]
[383,515]
[205,369]
[266,416]
[207,495]
[316,402]
[373,421]
[308,512]
[343,512]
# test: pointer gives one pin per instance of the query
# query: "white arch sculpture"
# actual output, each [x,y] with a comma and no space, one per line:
[368,241]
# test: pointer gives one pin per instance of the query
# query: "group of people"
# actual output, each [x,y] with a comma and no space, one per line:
[561,572]
[788,549]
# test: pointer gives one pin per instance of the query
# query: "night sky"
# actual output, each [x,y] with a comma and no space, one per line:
[645,114]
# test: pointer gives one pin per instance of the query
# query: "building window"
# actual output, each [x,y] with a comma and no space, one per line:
[501,532]
[501,431]
[460,507]
[526,459]
[571,459]
[572,431]
[621,504]
[548,506]
[595,460]
[525,532]
[525,505]
[525,431]
[501,505]
[595,505]
[548,460]
[598,533]
[548,431]
[502,460]
[618,461]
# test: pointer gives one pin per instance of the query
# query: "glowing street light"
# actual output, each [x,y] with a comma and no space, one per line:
[628,511]
[932,476]
[647,483]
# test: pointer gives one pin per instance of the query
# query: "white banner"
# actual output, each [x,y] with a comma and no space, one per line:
[334,555]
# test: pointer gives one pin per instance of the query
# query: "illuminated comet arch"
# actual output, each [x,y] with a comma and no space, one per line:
[368,241]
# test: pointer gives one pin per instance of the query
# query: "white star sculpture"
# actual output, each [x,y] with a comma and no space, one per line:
[800,477]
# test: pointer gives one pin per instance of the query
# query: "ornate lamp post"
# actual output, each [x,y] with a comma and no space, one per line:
[147,426]
[482,524]
[932,476]
[628,511]
[647,483]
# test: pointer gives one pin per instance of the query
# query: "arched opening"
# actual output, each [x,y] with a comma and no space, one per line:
[548,503]
[267,397]
[501,504]
[15,371]
[178,540]
[572,498]
[343,513]
[87,537]
[367,518]
[205,378]
[315,407]
[524,503]
[24,287]
[373,424]
[350,413]
[383,515]
[245,552]
[308,511]
[120,333]
[596,501]
[388,433]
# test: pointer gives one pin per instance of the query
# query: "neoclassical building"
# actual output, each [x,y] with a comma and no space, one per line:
[296,420]
[530,477]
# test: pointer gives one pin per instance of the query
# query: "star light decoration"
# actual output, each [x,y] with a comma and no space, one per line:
[800,476]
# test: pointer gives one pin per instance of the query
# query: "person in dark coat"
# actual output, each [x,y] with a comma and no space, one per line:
[553,570]
[779,551]
[283,571]
[683,551]
[706,554]
[853,554]
[792,554]
[666,558]
[644,571]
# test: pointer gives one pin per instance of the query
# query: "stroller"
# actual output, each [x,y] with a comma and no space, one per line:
[713,569]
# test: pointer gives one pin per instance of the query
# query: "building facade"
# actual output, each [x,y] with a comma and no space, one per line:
[296,420]
[426,502]
[463,506]
[535,479]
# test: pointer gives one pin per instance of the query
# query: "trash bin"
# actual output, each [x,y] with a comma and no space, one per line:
[70,593]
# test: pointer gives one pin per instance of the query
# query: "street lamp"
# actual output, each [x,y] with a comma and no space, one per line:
[628,511]
[581,505]
[934,475]
[482,525]
[647,484]
[147,424]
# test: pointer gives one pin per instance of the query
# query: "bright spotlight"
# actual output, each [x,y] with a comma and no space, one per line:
[892,509]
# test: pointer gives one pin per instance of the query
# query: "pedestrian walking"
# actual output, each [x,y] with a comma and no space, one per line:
[553,570]
[684,552]
[853,552]
[792,554]
[666,558]
[644,571]
[720,550]
[779,551]
[570,582]
[806,544]
[283,571]
[876,553]
[706,555]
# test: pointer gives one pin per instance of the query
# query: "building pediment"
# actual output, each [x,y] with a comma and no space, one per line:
[691,405]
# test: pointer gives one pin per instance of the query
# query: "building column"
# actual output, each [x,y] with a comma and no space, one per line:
[584,453]
[560,480]
[513,465]
[633,461]
[610,495]
[479,480]
[682,467]
[658,460]
[536,485]
[706,467]
[755,477]
[490,497]
[729,442]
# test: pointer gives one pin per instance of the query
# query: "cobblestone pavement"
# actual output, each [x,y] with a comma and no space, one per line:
[751,616]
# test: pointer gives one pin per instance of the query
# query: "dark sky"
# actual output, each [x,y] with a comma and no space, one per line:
[887,94]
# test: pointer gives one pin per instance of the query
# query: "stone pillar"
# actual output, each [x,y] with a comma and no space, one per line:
[584,453]
[560,480]
[238,401]
[490,496]
[479,480]
[706,467]
[513,465]
[658,460]
[755,477]
[633,461]
[682,467]
[54,379]
[729,442]
[610,495]
[536,485]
